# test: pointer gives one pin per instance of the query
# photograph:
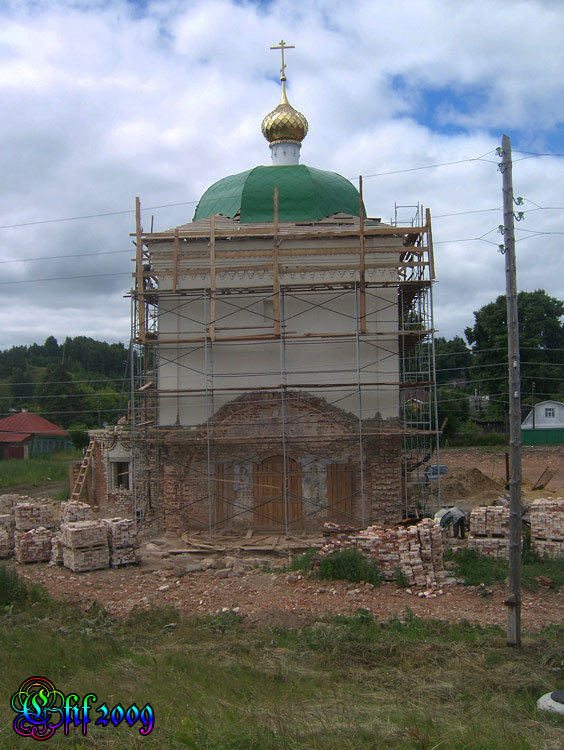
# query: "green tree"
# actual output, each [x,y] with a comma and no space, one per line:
[541,343]
[60,399]
[453,404]
[453,357]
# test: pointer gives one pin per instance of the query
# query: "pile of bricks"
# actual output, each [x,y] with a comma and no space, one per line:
[28,528]
[489,531]
[34,522]
[31,515]
[7,529]
[75,511]
[6,543]
[33,545]
[7,502]
[416,551]
[85,545]
[122,541]
[547,527]
[56,550]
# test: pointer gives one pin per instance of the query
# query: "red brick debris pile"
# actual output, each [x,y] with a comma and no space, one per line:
[416,551]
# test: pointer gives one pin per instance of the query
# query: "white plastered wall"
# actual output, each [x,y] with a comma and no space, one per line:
[240,365]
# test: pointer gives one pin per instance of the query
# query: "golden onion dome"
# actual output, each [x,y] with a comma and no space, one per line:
[284,124]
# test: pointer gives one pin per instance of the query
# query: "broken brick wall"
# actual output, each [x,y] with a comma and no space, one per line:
[111,447]
[247,435]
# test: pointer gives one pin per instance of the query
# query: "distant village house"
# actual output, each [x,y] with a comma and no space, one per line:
[26,435]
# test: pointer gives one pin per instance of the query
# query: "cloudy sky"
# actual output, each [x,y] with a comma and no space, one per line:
[103,101]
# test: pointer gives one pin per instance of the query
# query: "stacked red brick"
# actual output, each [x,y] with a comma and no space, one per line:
[8,522]
[70,512]
[34,523]
[75,511]
[489,531]
[85,545]
[416,551]
[547,527]
[7,525]
[122,541]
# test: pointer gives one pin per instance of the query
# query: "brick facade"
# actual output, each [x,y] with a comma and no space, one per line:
[247,432]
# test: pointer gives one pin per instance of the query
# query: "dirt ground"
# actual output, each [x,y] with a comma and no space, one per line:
[279,598]
[474,489]
[264,595]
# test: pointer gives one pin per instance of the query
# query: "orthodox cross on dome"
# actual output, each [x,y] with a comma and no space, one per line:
[282,46]
[284,128]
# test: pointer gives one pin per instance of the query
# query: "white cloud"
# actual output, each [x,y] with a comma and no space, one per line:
[106,101]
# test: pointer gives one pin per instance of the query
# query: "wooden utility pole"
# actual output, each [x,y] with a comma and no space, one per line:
[513,601]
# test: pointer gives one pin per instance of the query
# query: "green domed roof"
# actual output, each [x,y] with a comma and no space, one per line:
[304,194]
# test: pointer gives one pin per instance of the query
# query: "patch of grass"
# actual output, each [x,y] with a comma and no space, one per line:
[474,569]
[400,578]
[535,566]
[349,565]
[37,471]
[225,622]
[15,591]
[302,563]
[341,683]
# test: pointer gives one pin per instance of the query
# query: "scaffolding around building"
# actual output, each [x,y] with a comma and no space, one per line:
[374,280]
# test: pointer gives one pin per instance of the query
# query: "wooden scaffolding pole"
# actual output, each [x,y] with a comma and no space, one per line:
[275,270]
[362,267]
[175,261]
[430,250]
[139,277]
[213,278]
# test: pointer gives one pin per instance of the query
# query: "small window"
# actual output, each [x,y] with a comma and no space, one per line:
[549,412]
[121,475]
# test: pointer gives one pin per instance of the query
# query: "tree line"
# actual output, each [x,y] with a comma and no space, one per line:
[80,383]
[477,364]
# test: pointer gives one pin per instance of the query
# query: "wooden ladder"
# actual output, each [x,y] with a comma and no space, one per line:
[82,473]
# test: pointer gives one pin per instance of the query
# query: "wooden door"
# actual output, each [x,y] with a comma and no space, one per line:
[269,496]
[223,495]
[339,492]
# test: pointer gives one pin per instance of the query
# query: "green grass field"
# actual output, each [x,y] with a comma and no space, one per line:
[36,472]
[216,684]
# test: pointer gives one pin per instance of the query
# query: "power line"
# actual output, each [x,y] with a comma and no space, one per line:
[66,278]
[94,216]
[72,255]
[193,202]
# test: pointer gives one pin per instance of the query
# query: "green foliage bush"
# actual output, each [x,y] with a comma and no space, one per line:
[349,565]
[79,437]
[15,591]
[302,563]
[471,440]
[400,578]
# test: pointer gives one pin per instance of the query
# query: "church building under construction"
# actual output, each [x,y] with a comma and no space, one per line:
[282,358]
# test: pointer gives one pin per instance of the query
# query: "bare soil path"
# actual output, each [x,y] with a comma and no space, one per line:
[279,598]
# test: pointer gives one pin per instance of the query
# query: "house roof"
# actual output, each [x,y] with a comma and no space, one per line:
[19,427]
[304,194]
[14,437]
